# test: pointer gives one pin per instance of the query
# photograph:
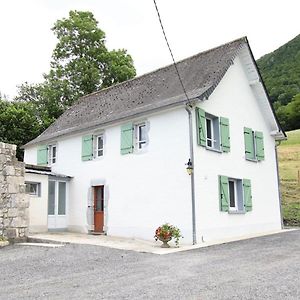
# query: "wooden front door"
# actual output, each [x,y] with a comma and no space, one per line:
[98,208]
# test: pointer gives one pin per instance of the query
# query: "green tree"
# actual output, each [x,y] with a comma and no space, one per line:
[81,64]
[290,114]
[18,124]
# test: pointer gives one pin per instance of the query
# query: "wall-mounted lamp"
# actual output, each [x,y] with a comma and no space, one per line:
[189,167]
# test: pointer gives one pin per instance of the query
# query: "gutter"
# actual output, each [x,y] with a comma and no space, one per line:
[278,184]
[189,111]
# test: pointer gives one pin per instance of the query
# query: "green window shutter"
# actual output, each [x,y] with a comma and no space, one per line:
[42,155]
[201,126]
[249,143]
[247,194]
[259,143]
[224,193]
[225,137]
[127,138]
[87,147]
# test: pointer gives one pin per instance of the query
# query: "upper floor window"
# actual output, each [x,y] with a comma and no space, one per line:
[47,154]
[212,131]
[52,152]
[99,145]
[92,146]
[140,132]
[254,145]
[134,137]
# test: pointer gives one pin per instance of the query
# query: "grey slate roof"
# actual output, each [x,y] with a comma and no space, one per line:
[159,89]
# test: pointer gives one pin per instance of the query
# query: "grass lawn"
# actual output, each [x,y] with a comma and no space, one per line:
[289,165]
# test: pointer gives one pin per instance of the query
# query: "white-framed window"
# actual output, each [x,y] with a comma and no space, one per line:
[235,194]
[52,154]
[99,146]
[140,135]
[212,132]
[33,188]
[134,137]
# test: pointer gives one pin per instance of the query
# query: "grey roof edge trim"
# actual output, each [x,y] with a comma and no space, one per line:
[242,39]
[37,168]
[265,90]
[70,131]
[30,171]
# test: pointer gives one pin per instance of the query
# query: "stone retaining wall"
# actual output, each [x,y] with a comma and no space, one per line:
[14,203]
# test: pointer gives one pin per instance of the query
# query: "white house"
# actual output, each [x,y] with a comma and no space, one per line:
[125,152]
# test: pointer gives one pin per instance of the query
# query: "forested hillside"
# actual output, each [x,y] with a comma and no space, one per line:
[281,73]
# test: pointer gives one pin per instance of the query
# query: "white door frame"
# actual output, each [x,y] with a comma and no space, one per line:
[58,221]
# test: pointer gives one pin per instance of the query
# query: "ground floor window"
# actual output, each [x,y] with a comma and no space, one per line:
[235,194]
[33,188]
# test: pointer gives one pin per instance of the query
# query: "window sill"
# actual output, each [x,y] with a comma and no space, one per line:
[252,159]
[236,212]
[213,149]
[98,158]
[140,151]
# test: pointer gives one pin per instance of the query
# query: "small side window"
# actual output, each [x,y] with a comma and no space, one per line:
[33,188]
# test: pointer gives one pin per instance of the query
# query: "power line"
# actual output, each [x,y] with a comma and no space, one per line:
[175,65]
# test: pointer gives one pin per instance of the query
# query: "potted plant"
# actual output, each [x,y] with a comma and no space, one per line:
[165,233]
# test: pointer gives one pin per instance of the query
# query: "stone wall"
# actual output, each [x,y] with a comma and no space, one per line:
[14,203]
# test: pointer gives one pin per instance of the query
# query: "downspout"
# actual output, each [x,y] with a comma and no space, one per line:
[278,184]
[189,111]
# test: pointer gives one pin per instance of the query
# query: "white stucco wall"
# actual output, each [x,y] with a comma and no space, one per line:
[234,99]
[38,205]
[142,190]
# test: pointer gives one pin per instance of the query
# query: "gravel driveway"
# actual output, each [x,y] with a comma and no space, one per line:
[261,268]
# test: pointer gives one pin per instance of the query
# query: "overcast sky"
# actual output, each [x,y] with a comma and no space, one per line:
[192,26]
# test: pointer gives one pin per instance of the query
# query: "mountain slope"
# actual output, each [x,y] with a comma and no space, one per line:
[281,71]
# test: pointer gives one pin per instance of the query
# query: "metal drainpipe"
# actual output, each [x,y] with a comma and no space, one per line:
[278,183]
[188,109]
